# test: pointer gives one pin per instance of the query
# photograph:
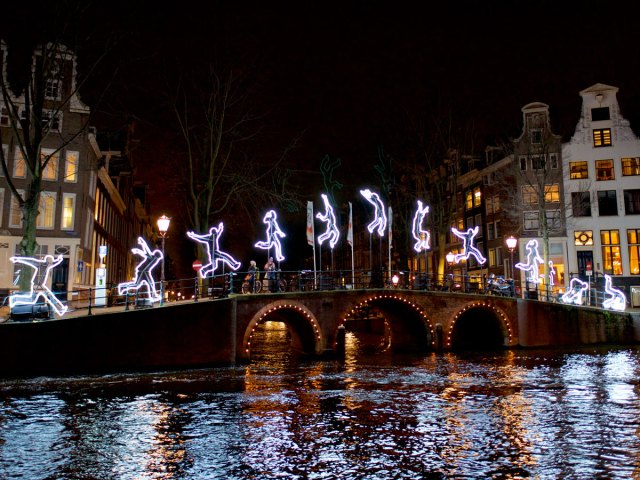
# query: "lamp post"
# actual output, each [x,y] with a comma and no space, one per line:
[450,258]
[511,242]
[163,227]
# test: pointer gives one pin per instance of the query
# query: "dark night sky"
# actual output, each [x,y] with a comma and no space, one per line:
[350,73]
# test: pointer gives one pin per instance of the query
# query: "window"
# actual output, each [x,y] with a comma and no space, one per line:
[553,159]
[15,215]
[492,257]
[71,167]
[611,259]
[19,167]
[602,137]
[523,163]
[2,204]
[607,203]
[633,239]
[531,220]
[552,193]
[47,210]
[477,197]
[583,238]
[536,136]
[632,202]
[68,211]
[470,222]
[50,171]
[538,162]
[578,170]
[604,170]
[478,223]
[498,229]
[490,231]
[52,89]
[630,166]
[529,194]
[52,120]
[5,152]
[553,219]
[581,204]
[4,116]
[499,255]
[468,203]
[600,114]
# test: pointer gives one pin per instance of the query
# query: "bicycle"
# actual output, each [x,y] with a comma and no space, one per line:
[257,284]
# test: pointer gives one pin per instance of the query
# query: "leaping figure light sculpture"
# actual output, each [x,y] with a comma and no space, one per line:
[379,216]
[533,259]
[420,235]
[142,276]
[215,255]
[38,288]
[274,233]
[332,233]
[468,248]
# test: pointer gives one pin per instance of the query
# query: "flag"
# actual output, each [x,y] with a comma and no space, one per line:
[310,232]
[390,222]
[350,227]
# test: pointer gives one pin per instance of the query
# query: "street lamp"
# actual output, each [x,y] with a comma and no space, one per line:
[163,227]
[450,258]
[512,242]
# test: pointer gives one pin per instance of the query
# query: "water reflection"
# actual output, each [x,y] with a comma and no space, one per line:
[507,414]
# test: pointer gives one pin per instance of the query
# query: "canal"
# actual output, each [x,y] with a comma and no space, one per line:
[496,414]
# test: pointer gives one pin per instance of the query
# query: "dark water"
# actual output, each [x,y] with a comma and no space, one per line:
[495,415]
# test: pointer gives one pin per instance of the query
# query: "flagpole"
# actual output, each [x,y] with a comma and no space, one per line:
[390,240]
[311,240]
[350,241]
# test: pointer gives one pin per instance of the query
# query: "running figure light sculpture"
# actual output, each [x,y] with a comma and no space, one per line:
[332,233]
[142,277]
[379,217]
[575,292]
[38,288]
[274,233]
[617,299]
[468,248]
[420,235]
[533,259]
[214,253]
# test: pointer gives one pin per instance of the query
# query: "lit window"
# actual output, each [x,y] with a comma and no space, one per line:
[19,167]
[529,194]
[15,215]
[630,166]
[477,197]
[611,258]
[68,211]
[50,171]
[492,257]
[633,239]
[71,167]
[632,202]
[47,210]
[578,170]
[469,200]
[602,137]
[583,238]
[607,203]
[552,193]
[604,170]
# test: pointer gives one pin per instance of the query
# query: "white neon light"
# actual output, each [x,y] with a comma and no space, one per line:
[38,289]
[468,248]
[552,273]
[379,216]
[215,255]
[533,259]
[575,292]
[617,299]
[143,276]
[421,236]
[332,233]
[274,233]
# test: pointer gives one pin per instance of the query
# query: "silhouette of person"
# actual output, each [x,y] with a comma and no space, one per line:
[468,247]
[533,259]
[379,217]
[273,235]
[149,260]
[332,233]
[38,289]
[420,235]
[253,269]
[214,253]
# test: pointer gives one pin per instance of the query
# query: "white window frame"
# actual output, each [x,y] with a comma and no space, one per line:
[71,166]
[17,160]
[15,209]
[66,196]
[531,220]
[44,213]
[52,164]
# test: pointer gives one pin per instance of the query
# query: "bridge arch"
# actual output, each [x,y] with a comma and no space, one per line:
[300,321]
[410,327]
[479,324]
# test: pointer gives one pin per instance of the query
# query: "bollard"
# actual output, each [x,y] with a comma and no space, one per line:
[90,295]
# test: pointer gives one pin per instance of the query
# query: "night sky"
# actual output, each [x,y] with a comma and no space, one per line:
[350,75]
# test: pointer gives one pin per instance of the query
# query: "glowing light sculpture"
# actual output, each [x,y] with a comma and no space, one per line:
[421,236]
[575,292]
[533,259]
[332,233]
[552,273]
[142,276]
[215,255]
[38,289]
[274,233]
[379,217]
[617,300]
[468,248]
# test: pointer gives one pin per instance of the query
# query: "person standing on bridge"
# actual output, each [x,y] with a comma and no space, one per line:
[270,272]
[253,269]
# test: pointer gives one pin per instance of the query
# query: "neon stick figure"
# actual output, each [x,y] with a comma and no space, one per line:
[143,277]
[213,250]
[552,273]
[332,233]
[617,300]
[379,217]
[533,259]
[468,248]
[575,292]
[421,236]
[273,232]
[38,289]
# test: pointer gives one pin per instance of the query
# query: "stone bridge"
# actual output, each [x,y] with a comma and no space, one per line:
[220,331]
